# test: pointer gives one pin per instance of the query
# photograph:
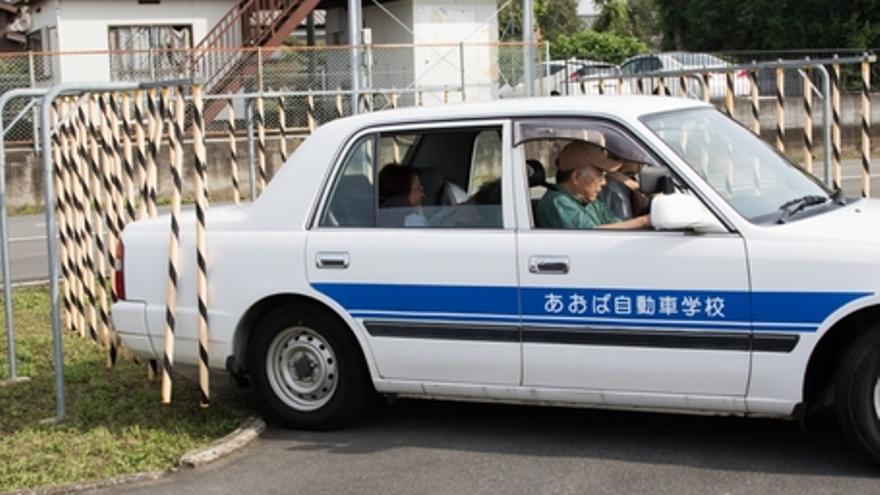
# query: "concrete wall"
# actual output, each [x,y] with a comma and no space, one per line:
[457,21]
[24,175]
[83,25]
[439,26]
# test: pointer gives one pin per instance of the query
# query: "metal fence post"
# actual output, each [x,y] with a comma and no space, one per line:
[151,59]
[4,236]
[461,64]
[260,68]
[33,81]
[528,36]
[354,31]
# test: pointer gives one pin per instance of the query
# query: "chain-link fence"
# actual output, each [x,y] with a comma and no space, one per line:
[318,80]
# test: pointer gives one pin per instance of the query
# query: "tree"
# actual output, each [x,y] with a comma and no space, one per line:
[552,18]
[608,47]
[711,25]
[613,17]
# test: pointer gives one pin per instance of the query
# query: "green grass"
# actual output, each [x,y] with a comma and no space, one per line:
[115,421]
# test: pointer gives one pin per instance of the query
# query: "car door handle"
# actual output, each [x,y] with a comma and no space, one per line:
[337,260]
[549,264]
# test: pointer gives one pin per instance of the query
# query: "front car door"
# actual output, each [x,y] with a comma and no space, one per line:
[659,318]
[433,285]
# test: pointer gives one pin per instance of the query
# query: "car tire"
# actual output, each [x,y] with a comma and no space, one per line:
[308,368]
[857,393]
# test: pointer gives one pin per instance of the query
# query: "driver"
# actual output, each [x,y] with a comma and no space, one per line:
[573,203]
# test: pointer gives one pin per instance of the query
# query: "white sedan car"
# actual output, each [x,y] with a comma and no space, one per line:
[569,77]
[700,63]
[753,297]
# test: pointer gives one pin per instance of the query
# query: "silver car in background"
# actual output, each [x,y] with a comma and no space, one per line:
[569,77]
[712,66]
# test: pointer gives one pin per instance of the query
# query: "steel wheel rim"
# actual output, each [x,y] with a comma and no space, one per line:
[877,399]
[301,368]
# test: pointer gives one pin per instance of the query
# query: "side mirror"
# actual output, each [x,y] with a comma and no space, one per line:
[683,212]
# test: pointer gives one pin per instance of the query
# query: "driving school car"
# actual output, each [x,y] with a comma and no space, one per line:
[755,292]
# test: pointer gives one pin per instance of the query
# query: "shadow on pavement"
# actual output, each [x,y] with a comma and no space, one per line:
[722,443]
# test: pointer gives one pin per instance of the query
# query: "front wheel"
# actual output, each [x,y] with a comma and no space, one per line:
[857,393]
[308,368]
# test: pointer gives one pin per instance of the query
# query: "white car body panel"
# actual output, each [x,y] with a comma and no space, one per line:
[268,248]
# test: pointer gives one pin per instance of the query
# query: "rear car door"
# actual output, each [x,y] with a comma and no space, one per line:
[662,314]
[437,301]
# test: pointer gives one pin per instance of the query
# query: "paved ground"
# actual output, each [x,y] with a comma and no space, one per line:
[431,447]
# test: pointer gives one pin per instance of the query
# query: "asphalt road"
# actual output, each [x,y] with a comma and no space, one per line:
[430,447]
[28,233]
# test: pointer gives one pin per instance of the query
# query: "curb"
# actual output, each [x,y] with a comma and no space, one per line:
[252,427]
[241,436]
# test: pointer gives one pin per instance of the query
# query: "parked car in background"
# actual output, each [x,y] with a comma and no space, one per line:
[568,77]
[674,61]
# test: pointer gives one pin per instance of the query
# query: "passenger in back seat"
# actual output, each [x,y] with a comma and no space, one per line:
[400,196]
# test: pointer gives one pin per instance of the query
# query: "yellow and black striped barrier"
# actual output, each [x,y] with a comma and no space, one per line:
[201,184]
[233,152]
[866,129]
[175,134]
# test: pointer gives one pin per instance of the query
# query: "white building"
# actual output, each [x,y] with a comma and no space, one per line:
[124,37]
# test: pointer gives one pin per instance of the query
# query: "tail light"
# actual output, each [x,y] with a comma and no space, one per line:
[119,271]
[741,74]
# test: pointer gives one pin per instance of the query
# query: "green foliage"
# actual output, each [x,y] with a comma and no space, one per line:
[608,47]
[635,18]
[613,17]
[553,18]
[711,25]
[115,422]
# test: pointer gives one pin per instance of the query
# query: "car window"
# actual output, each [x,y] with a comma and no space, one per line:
[630,67]
[437,178]
[352,199]
[485,161]
[551,69]
[651,64]
[544,140]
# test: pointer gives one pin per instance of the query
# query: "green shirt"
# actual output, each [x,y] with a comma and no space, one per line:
[559,209]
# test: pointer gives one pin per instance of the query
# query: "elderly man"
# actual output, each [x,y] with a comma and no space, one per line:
[573,203]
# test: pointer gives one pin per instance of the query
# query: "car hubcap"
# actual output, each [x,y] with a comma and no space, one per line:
[301,368]
[877,399]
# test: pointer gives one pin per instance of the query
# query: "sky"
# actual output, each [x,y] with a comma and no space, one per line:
[586,7]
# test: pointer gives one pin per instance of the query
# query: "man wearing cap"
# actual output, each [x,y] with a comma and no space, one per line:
[573,203]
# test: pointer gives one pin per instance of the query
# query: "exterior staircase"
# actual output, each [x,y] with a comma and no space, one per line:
[10,39]
[222,58]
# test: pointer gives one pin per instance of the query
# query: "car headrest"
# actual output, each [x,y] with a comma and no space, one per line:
[537,174]
[432,183]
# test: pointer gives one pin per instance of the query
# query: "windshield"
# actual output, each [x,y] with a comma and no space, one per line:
[756,180]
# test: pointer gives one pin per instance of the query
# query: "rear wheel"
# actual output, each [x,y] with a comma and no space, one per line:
[308,368]
[857,393]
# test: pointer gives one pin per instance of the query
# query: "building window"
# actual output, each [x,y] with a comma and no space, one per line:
[150,52]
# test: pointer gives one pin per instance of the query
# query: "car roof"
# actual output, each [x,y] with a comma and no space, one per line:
[626,106]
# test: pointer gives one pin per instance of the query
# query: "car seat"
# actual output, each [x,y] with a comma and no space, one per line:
[537,177]
[438,190]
